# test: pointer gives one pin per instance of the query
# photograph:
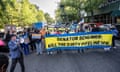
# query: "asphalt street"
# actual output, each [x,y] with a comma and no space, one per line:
[96,60]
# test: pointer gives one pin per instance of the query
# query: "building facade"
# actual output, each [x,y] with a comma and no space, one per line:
[107,13]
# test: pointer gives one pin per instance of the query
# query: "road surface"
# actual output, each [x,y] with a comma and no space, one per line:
[91,61]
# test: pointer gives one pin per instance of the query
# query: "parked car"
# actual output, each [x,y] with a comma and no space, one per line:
[94,24]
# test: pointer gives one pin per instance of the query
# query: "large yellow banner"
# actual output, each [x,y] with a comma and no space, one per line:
[79,40]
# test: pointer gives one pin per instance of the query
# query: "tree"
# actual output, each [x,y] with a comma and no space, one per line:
[19,12]
[49,19]
[40,16]
[72,10]
[91,5]
[3,13]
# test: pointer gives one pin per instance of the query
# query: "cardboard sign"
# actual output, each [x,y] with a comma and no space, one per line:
[36,36]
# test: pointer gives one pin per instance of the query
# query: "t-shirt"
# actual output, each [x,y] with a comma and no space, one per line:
[42,32]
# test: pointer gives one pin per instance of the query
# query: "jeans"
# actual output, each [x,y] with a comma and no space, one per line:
[43,45]
[14,62]
[32,45]
[25,48]
[38,47]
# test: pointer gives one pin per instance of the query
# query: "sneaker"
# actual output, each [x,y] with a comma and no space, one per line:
[49,53]
[114,47]
[106,49]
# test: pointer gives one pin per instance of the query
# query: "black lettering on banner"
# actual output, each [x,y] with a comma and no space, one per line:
[68,44]
[71,44]
[67,38]
[51,45]
[96,36]
[84,43]
[96,42]
[99,36]
[81,38]
[104,43]
[87,37]
[107,43]
[75,38]
[59,39]
[90,37]
[79,44]
[89,43]
[64,39]
[61,44]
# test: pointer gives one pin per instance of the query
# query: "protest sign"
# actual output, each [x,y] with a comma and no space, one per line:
[79,40]
[36,36]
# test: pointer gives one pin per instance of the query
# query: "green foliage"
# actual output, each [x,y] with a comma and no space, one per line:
[92,4]
[72,8]
[41,16]
[19,12]
[49,19]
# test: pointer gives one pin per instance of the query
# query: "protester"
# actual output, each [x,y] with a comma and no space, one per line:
[57,32]
[16,54]
[115,34]
[32,42]
[4,61]
[38,41]
[52,32]
[95,29]
[87,28]
[43,33]
[66,31]
[7,36]
[48,32]
[21,40]
[72,31]
[26,43]
[59,50]
[79,50]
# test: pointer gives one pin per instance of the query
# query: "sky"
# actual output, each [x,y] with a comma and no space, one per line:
[47,5]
